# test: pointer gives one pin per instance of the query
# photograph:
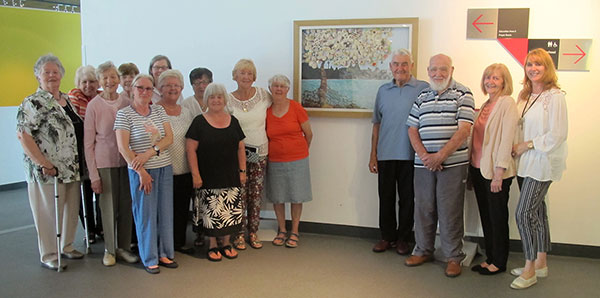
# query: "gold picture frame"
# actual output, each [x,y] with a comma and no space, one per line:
[348,60]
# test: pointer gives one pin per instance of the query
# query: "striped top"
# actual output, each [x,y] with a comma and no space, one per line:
[437,116]
[144,132]
[80,101]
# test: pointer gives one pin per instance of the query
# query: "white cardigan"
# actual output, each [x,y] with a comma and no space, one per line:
[545,123]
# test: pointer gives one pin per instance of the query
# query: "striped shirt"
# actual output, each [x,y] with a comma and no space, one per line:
[437,116]
[145,132]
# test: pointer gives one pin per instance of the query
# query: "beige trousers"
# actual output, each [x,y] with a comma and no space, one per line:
[41,199]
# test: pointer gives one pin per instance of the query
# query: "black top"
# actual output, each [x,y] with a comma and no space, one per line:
[217,152]
[78,125]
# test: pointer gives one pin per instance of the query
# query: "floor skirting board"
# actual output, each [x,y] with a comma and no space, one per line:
[12,186]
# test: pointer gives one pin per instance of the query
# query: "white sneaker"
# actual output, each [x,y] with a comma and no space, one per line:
[108,259]
[127,256]
[543,272]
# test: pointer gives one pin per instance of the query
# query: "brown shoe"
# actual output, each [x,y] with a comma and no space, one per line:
[402,247]
[414,260]
[382,246]
[453,269]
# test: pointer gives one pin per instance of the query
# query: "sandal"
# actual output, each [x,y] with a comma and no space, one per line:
[216,251]
[292,243]
[279,240]
[228,249]
[239,242]
[254,242]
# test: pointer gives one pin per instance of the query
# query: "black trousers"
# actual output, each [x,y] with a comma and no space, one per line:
[493,211]
[396,175]
[182,195]
[94,226]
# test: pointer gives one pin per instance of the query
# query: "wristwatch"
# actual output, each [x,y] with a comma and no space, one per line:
[242,171]
[530,145]
[157,150]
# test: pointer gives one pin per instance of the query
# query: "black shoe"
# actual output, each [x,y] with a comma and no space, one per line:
[486,271]
[152,270]
[171,265]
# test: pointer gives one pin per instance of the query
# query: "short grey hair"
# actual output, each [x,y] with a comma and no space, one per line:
[106,66]
[281,79]
[214,89]
[48,58]
[84,72]
[142,76]
[403,52]
[171,73]
[156,59]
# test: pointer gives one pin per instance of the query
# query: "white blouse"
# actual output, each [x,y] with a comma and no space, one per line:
[179,126]
[252,114]
[545,123]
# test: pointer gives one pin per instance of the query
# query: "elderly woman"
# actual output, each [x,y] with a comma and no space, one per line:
[492,167]
[542,152]
[217,160]
[127,71]
[170,84]
[158,65]
[288,174]
[143,137]
[107,169]
[46,127]
[86,89]
[249,105]
[199,78]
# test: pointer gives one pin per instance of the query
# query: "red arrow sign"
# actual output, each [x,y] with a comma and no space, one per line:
[582,54]
[475,23]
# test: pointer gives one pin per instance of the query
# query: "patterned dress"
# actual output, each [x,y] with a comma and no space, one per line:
[218,205]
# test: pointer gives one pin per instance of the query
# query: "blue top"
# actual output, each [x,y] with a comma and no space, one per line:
[392,106]
[437,116]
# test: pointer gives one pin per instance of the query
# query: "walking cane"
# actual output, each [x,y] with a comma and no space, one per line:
[88,249]
[58,229]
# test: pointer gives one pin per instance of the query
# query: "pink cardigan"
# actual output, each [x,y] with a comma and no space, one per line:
[99,138]
[498,138]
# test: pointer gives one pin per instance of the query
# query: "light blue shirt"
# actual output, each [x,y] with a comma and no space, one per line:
[392,106]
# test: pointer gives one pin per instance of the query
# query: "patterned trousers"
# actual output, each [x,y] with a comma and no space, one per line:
[532,217]
[252,194]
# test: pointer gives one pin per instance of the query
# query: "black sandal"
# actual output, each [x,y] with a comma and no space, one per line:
[216,251]
[230,249]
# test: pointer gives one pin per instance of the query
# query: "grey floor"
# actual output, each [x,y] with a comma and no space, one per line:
[322,266]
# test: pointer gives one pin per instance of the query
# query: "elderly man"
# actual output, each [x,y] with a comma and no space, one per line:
[392,155]
[439,123]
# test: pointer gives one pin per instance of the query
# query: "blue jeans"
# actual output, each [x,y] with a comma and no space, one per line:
[153,215]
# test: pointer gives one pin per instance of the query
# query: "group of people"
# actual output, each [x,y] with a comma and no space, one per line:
[148,154]
[429,144]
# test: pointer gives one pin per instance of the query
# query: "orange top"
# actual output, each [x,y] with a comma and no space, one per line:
[478,131]
[286,139]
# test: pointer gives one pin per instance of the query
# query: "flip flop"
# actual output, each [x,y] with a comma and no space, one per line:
[229,248]
[216,251]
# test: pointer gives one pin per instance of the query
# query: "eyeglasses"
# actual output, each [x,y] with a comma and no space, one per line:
[199,83]
[142,89]
[160,67]
[172,86]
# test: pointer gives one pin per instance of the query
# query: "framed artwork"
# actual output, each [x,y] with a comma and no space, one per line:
[340,64]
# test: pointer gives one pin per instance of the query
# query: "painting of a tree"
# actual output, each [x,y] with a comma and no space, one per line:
[334,48]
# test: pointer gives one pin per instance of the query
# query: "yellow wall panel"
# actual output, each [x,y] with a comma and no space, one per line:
[26,34]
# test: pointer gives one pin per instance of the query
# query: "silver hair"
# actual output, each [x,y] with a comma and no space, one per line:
[279,78]
[48,58]
[213,89]
[84,72]
[403,52]
[171,73]
[102,68]
[142,76]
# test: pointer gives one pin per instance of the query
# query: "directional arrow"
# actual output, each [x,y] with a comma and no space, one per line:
[581,53]
[475,23]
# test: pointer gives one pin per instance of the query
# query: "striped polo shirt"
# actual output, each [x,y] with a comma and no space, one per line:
[437,116]
[144,132]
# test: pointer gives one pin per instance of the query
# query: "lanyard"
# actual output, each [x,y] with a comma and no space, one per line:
[525,109]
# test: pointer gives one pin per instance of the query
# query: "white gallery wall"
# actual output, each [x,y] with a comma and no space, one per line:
[215,34]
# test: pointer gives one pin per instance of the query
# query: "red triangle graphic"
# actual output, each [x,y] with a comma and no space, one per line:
[517,47]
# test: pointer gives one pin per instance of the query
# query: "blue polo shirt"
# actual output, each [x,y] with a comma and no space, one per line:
[392,106]
[437,116]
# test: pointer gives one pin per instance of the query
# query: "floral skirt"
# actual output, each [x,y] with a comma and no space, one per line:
[219,211]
